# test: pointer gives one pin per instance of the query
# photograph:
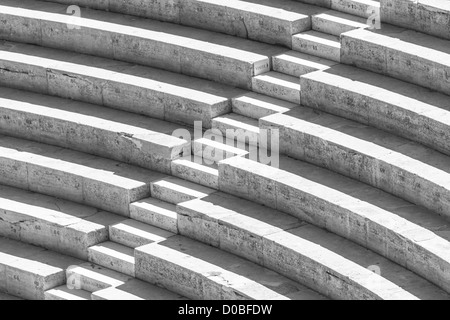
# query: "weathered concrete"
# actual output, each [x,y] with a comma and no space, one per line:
[403,54]
[74,176]
[174,190]
[296,63]
[428,16]
[52,223]
[318,44]
[244,228]
[377,229]
[113,84]
[133,234]
[27,271]
[198,271]
[335,22]
[193,169]
[170,47]
[404,109]
[155,212]
[214,151]
[246,129]
[256,106]
[113,256]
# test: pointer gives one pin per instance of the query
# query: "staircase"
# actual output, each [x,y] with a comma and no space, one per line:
[224,150]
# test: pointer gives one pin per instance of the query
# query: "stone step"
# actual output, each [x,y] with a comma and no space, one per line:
[399,53]
[152,43]
[198,271]
[335,22]
[91,278]
[277,21]
[396,165]
[360,8]
[155,212]
[431,17]
[8,297]
[64,293]
[213,151]
[114,256]
[281,242]
[133,234]
[52,223]
[74,176]
[194,169]
[296,64]
[395,106]
[119,85]
[174,190]
[108,133]
[409,235]
[238,128]
[318,44]
[27,271]
[278,85]
[254,105]
[135,290]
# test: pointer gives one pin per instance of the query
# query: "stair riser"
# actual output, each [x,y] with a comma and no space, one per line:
[316,49]
[163,221]
[112,263]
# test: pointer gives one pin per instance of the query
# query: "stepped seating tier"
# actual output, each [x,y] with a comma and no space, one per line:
[264,20]
[297,250]
[388,104]
[171,47]
[400,53]
[409,235]
[74,176]
[427,16]
[113,84]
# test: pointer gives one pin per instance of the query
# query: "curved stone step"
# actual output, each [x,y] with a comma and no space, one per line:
[113,256]
[409,235]
[52,223]
[155,212]
[401,108]
[255,106]
[74,176]
[318,44]
[194,169]
[394,164]
[278,85]
[108,133]
[64,293]
[134,88]
[297,64]
[198,271]
[174,190]
[295,249]
[163,45]
[400,53]
[335,22]
[27,271]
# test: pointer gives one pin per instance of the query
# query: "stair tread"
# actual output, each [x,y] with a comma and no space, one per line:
[115,250]
[343,18]
[64,293]
[238,121]
[320,38]
[280,79]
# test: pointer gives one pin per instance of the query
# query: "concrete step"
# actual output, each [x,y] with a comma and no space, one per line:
[133,234]
[198,271]
[395,106]
[405,233]
[135,290]
[110,83]
[174,190]
[52,223]
[91,278]
[29,271]
[318,44]
[278,85]
[335,22]
[238,128]
[360,8]
[297,64]
[194,169]
[155,212]
[277,21]
[114,256]
[152,43]
[8,297]
[213,151]
[431,17]
[64,293]
[108,133]
[281,242]
[396,165]
[74,176]
[254,105]
[400,53]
